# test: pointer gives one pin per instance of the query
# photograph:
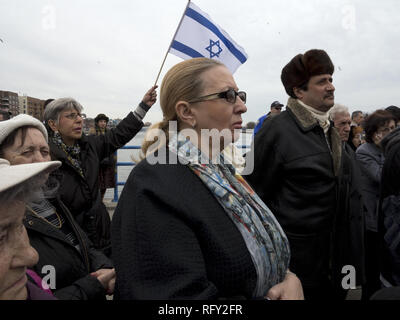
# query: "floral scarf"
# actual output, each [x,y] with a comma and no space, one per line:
[264,237]
[72,153]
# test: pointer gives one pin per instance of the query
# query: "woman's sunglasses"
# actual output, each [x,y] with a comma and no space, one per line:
[229,95]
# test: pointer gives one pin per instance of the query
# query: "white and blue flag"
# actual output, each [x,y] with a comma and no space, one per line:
[198,36]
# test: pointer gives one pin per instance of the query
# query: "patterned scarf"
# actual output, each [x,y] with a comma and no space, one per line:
[72,153]
[264,237]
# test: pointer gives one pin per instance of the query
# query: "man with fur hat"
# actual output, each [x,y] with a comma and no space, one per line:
[297,165]
[108,165]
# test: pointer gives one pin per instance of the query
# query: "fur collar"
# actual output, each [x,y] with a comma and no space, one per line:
[303,117]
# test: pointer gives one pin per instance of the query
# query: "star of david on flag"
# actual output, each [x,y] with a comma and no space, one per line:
[198,36]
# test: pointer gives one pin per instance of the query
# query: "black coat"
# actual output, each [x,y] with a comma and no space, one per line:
[173,240]
[73,279]
[82,195]
[296,175]
[350,224]
[389,210]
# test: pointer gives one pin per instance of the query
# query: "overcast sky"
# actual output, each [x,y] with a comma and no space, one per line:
[106,54]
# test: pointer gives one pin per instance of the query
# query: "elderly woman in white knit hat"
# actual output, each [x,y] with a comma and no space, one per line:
[17,184]
[82,271]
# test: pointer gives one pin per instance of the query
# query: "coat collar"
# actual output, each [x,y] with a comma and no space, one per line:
[302,116]
[307,122]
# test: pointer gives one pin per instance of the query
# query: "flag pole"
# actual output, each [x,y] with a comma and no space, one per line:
[176,31]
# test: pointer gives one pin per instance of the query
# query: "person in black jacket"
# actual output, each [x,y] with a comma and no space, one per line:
[81,271]
[107,165]
[297,163]
[389,212]
[192,228]
[81,157]
[350,220]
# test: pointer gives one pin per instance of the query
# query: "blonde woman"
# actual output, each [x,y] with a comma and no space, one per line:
[187,226]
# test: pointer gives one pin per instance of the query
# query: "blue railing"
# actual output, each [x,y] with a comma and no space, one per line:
[127,164]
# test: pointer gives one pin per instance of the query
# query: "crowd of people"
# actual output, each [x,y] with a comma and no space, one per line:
[322,195]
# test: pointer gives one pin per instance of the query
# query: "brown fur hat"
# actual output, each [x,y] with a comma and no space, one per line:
[303,66]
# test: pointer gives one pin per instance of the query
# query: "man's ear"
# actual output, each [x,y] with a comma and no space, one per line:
[185,113]
[52,125]
[299,93]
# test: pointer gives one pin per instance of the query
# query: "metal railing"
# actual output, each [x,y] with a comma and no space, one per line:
[127,164]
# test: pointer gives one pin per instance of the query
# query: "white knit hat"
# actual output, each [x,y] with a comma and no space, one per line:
[8,126]
[14,175]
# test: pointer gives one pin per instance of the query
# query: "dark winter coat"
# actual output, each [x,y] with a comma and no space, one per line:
[389,210]
[73,268]
[296,173]
[173,240]
[349,231]
[371,160]
[82,195]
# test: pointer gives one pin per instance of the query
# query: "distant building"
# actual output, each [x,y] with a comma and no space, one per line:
[32,106]
[9,102]
[23,104]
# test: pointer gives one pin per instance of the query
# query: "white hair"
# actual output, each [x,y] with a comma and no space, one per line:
[337,109]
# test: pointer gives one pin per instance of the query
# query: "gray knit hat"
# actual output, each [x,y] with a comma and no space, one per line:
[22,120]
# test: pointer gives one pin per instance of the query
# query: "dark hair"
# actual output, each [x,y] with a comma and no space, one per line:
[101,116]
[6,115]
[10,139]
[374,121]
[395,111]
[303,87]
[355,114]
[47,102]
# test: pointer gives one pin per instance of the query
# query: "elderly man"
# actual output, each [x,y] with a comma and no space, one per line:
[340,116]
[297,165]
[276,108]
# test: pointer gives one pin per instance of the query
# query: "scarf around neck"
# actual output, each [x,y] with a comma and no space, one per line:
[261,232]
[321,117]
[72,153]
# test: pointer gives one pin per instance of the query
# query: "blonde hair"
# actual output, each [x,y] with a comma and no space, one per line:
[182,82]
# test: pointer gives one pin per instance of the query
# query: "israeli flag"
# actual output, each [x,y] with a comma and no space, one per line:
[198,36]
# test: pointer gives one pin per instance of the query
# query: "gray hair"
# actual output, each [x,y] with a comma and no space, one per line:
[337,109]
[54,108]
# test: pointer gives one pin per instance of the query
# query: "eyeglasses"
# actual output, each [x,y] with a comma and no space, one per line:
[74,115]
[229,95]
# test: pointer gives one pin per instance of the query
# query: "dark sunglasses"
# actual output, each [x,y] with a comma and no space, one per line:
[229,95]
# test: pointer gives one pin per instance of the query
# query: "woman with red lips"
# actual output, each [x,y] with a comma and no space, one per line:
[81,156]
[188,226]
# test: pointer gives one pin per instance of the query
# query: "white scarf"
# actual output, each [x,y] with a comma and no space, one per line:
[321,117]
